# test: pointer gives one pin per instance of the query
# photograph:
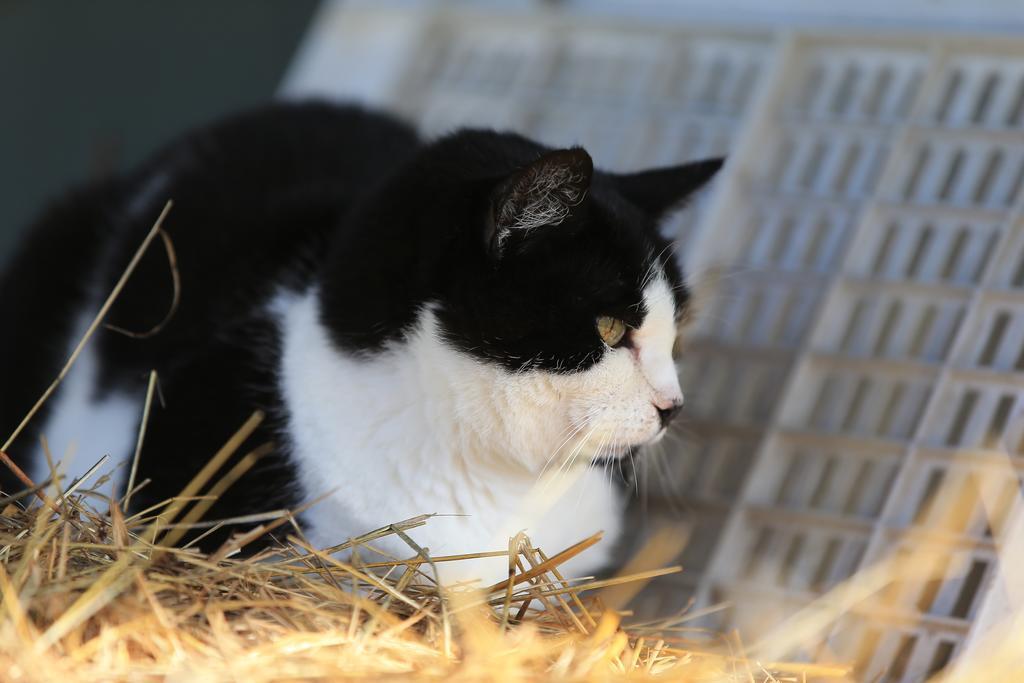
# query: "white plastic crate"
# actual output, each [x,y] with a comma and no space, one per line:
[855,383]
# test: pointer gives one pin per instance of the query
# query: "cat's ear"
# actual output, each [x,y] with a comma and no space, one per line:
[659,190]
[543,193]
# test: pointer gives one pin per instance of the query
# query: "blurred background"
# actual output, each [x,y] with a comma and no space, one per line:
[855,381]
[89,88]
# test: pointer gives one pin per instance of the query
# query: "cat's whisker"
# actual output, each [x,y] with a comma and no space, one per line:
[565,469]
[568,463]
[567,466]
[636,479]
[569,432]
[573,431]
[645,471]
[675,490]
[583,488]
[654,266]
[614,464]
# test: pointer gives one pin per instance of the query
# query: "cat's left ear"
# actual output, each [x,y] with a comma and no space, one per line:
[658,191]
[543,193]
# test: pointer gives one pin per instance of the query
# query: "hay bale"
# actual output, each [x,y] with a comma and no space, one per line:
[97,595]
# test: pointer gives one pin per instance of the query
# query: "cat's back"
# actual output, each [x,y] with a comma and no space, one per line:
[254,195]
[256,198]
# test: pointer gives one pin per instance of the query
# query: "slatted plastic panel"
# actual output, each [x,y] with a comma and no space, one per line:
[854,382]
[906,398]
[803,190]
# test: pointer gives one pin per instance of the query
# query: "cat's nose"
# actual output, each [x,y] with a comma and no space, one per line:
[668,414]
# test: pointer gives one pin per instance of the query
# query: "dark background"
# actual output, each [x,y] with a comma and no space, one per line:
[90,87]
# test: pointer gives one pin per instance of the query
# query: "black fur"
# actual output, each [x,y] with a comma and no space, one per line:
[300,195]
[534,307]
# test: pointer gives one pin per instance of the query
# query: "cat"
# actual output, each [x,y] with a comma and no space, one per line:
[461,326]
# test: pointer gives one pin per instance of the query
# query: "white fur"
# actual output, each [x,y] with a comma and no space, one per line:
[654,341]
[423,428]
[81,429]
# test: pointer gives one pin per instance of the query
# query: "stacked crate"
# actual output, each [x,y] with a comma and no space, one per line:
[898,431]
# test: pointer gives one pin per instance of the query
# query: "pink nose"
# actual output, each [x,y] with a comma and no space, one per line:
[668,414]
[668,401]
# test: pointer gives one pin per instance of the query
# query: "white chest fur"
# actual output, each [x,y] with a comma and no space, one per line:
[421,428]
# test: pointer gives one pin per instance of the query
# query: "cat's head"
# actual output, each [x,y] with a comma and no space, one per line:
[551,277]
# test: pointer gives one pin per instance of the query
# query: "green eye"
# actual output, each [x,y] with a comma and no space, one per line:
[612,330]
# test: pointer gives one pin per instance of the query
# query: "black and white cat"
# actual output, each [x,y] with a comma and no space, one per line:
[461,326]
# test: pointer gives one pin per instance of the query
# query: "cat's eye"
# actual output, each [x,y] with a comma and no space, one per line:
[677,346]
[612,330]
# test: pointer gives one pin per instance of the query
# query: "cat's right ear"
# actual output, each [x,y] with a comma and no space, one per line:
[659,191]
[542,194]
